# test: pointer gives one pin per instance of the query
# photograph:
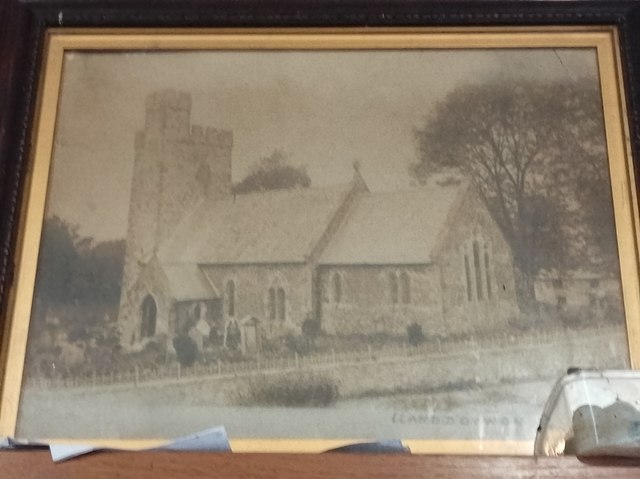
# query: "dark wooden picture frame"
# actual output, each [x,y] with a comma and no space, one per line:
[24,25]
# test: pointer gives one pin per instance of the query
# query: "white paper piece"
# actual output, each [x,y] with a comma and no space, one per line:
[214,439]
[62,452]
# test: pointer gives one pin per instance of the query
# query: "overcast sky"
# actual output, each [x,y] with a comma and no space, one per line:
[327,109]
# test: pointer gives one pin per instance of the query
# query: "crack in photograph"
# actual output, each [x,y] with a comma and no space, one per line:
[322,244]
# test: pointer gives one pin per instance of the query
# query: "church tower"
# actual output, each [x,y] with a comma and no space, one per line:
[176,165]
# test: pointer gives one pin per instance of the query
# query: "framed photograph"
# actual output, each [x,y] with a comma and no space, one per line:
[319,235]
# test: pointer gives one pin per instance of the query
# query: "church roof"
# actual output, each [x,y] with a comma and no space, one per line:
[400,227]
[262,227]
[187,283]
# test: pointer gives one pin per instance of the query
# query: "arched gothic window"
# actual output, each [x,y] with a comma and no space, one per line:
[393,288]
[230,296]
[281,305]
[149,312]
[405,287]
[467,272]
[336,286]
[488,274]
[477,264]
[271,303]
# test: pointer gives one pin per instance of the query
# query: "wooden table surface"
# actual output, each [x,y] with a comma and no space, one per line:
[159,465]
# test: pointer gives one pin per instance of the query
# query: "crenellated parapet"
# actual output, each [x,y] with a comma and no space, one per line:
[211,136]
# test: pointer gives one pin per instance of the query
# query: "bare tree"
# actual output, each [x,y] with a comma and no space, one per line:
[536,153]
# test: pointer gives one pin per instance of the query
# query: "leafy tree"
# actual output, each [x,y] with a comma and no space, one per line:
[582,180]
[311,328]
[273,173]
[101,272]
[535,152]
[58,262]
[74,270]
[186,350]
[78,283]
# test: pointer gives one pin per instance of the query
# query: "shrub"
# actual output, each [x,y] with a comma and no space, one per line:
[293,390]
[298,344]
[311,328]
[234,336]
[186,350]
[414,334]
[273,346]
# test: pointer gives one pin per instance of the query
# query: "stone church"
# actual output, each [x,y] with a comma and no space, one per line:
[201,260]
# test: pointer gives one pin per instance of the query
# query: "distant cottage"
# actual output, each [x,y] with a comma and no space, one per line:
[201,260]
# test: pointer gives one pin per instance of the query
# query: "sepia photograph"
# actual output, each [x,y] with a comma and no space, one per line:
[364,244]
